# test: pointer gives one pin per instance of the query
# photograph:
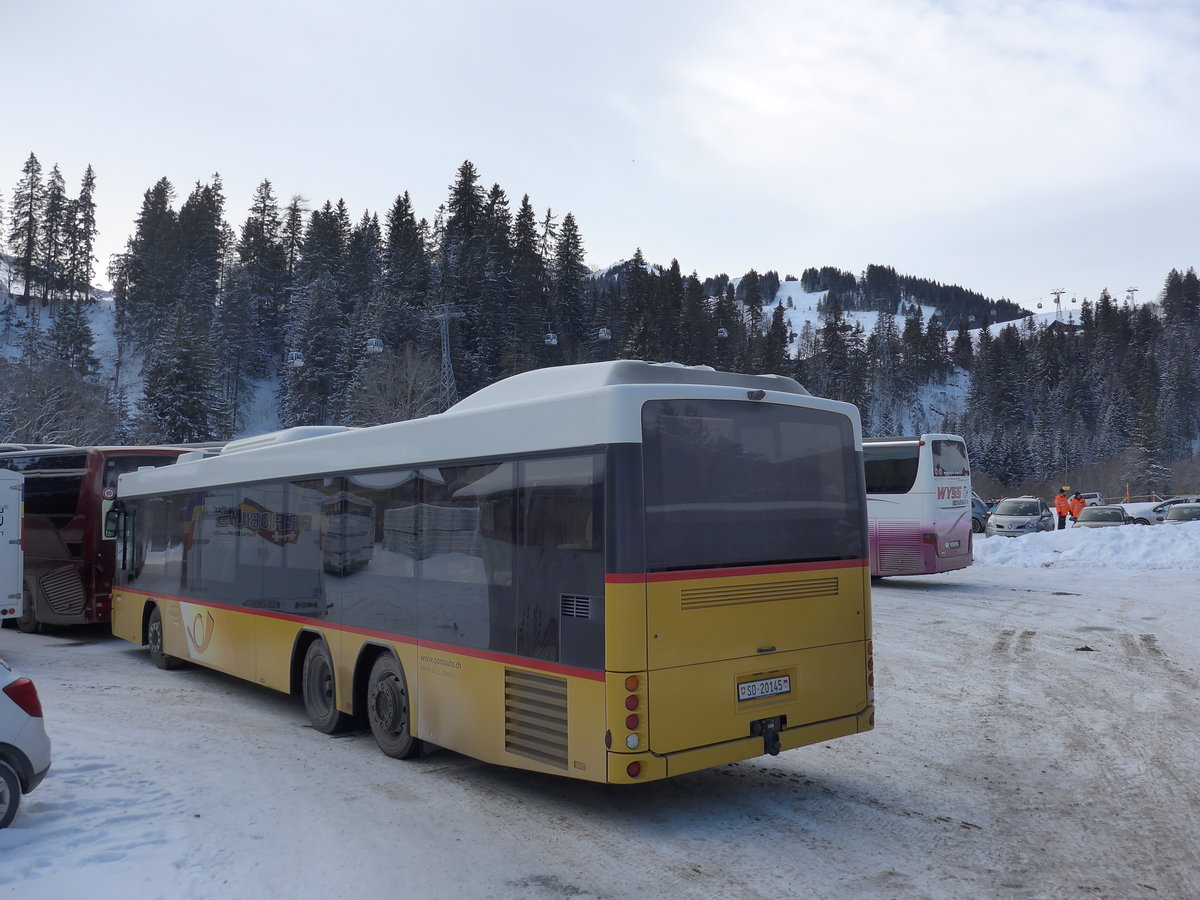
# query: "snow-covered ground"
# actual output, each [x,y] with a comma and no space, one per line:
[1036,737]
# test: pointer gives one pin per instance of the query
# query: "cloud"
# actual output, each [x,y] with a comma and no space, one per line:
[888,107]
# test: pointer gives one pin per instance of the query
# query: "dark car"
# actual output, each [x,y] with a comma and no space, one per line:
[979,515]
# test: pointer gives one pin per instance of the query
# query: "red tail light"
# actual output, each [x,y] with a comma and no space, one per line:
[25,695]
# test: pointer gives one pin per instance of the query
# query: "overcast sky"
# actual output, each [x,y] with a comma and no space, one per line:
[1014,148]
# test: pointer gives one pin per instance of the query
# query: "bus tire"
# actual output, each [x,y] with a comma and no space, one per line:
[28,620]
[10,793]
[388,709]
[317,688]
[154,640]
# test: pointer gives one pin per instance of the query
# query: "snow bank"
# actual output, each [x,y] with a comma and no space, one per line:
[1139,547]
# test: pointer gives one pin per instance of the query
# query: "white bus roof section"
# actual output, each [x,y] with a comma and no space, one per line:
[560,381]
[548,409]
[913,439]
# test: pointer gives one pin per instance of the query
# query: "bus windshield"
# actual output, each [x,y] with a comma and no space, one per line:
[735,483]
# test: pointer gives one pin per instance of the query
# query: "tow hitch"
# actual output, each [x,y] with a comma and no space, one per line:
[768,730]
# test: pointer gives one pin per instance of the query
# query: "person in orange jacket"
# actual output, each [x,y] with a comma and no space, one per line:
[1062,506]
[1076,504]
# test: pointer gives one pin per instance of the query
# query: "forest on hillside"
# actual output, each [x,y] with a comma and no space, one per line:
[368,320]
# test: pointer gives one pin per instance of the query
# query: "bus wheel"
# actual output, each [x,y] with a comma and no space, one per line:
[317,688]
[154,638]
[388,709]
[28,621]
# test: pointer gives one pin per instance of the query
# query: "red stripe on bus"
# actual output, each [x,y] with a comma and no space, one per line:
[488,655]
[734,572]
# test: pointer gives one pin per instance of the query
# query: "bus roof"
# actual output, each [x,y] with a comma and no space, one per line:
[547,409]
[67,450]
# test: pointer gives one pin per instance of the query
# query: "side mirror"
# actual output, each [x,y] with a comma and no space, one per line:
[1129,520]
[112,520]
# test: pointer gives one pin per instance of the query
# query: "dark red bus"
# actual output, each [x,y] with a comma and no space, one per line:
[68,562]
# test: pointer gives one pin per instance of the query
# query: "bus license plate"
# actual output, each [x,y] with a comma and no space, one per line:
[767,687]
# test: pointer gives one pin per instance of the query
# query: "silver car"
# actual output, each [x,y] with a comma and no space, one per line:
[1015,516]
[1101,517]
[1182,512]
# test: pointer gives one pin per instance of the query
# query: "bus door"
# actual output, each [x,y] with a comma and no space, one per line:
[11,551]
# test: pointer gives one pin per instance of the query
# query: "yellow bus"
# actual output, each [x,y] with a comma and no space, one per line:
[617,571]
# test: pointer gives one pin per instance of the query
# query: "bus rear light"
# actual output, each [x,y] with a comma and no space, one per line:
[631,683]
[634,769]
[632,741]
[870,664]
[871,680]
[870,648]
[631,702]
[930,539]
[631,722]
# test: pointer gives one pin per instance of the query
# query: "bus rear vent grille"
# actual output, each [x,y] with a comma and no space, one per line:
[575,606]
[713,597]
[64,591]
[535,717]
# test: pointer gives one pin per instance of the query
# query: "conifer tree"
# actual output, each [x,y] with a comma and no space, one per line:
[202,250]
[406,264]
[81,239]
[52,236]
[528,321]
[151,273]
[881,417]
[698,332]
[72,339]
[293,232]
[25,222]
[775,347]
[317,331]
[571,295]
[181,402]
[258,290]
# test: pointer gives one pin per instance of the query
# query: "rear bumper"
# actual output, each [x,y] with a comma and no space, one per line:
[656,767]
[36,779]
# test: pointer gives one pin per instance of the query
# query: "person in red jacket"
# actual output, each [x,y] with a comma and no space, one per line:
[1076,504]
[1062,506]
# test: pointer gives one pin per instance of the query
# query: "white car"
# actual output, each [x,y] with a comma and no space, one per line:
[1093,499]
[24,744]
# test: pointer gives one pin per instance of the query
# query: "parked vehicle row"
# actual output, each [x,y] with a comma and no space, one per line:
[1015,516]
[1155,514]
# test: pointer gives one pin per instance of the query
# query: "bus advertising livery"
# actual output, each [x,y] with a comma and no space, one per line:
[616,572]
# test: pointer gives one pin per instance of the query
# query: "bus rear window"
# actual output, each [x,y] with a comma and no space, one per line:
[890,469]
[950,459]
[736,483]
